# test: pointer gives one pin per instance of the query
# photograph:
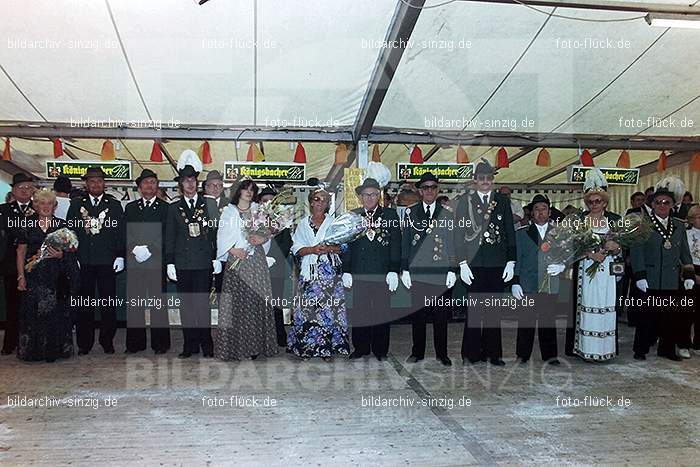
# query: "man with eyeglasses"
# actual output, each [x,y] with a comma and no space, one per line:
[370,264]
[657,265]
[12,213]
[485,247]
[427,252]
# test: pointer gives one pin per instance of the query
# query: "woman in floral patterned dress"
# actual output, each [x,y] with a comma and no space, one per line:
[320,327]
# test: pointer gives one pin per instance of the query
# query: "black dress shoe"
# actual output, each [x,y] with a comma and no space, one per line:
[553,361]
[50,360]
[160,351]
[640,356]
[524,360]
[355,355]
[6,352]
[252,357]
[83,352]
[445,361]
[413,359]
[381,357]
[185,355]
[675,358]
[472,361]
[497,362]
[109,350]
[131,351]
[210,354]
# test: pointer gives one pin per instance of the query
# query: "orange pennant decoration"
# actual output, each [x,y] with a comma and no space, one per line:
[587,158]
[250,155]
[57,148]
[6,152]
[204,153]
[107,153]
[623,161]
[156,153]
[376,155]
[462,156]
[416,155]
[300,154]
[661,165]
[341,154]
[695,162]
[543,158]
[502,159]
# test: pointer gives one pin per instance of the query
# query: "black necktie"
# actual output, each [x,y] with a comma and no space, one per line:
[147,204]
[486,200]
[427,211]
[94,201]
[23,208]
[192,204]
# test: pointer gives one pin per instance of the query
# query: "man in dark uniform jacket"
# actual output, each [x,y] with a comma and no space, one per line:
[281,270]
[12,213]
[657,265]
[530,271]
[145,267]
[369,265]
[427,254]
[98,221]
[190,252]
[213,192]
[486,252]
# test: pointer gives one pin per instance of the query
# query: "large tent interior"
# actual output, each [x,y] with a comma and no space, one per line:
[565,76]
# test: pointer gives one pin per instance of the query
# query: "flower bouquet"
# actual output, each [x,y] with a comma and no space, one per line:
[345,228]
[63,239]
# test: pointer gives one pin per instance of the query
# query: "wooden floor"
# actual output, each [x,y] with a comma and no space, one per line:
[162,414]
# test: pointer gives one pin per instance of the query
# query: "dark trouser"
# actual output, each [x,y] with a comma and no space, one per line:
[370,319]
[102,277]
[13,302]
[195,310]
[696,317]
[653,320]
[277,284]
[421,292]
[546,329]
[483,342]
[146,284]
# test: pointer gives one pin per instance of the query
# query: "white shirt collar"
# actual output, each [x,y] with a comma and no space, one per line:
[187,200]
[98,198]
[432,206]
[542,229]
[664,222]
[484,193]
[149,201]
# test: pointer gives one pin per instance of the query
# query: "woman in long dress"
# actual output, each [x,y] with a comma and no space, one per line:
[45,324]
[320,326]
[595,336]
[246,326]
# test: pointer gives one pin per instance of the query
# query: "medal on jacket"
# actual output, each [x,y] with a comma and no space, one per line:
[371,233]
[665,233]
[194,229]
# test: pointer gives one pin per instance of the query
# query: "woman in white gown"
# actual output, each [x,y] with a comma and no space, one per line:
[595,337]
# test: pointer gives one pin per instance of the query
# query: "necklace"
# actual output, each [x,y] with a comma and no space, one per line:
[665,233]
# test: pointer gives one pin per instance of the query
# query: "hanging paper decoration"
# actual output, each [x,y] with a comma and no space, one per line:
[341,154]
[695,162]
[661,165]
[623,161]
[204,153]
[376,155]
[6,152]
[156,153]
[462,156]
[543,158]
[416,155]
[502,158]
[57,148]
[254,153]
[587,158]
[300,154]
[107,153]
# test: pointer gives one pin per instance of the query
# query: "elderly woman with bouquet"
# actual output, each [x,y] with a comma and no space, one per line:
[47,271]
[246,326]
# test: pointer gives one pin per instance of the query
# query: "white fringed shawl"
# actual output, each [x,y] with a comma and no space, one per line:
[303,237]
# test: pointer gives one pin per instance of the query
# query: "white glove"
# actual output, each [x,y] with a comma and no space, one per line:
[171,272]
[406,279]
[141,253]
[465,273]
[517,291]
[555,269]
[347,280]
[217,266]
[642,285]
[688,284]
[508,271]
[118,265]
[451,280]
[392,280]
[270,261]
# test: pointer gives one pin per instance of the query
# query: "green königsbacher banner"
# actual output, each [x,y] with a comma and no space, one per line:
[614,175]
[115,170]
[265,171]
[445,171]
